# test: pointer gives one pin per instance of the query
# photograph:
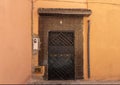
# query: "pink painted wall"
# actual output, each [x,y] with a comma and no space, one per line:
[15,41]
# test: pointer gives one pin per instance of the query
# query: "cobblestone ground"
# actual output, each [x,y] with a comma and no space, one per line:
[71,82]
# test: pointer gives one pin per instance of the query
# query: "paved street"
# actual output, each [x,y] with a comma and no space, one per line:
[71,82]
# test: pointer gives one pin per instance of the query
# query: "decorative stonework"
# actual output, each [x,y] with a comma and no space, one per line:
[49,11]
[85,12]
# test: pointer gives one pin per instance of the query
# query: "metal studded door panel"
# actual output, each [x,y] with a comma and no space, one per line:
[61,56]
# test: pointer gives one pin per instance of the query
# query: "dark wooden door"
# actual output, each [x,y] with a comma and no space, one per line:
[61,56]
[49,24]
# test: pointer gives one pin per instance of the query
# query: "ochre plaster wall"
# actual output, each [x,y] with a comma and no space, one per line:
[105,40]
[15,41]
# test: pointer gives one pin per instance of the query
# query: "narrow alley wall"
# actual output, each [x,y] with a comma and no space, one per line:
[15,41]
[105,39]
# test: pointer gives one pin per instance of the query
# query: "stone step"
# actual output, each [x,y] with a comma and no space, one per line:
[72,82]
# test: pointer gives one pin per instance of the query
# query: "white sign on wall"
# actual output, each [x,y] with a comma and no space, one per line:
[35,43]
